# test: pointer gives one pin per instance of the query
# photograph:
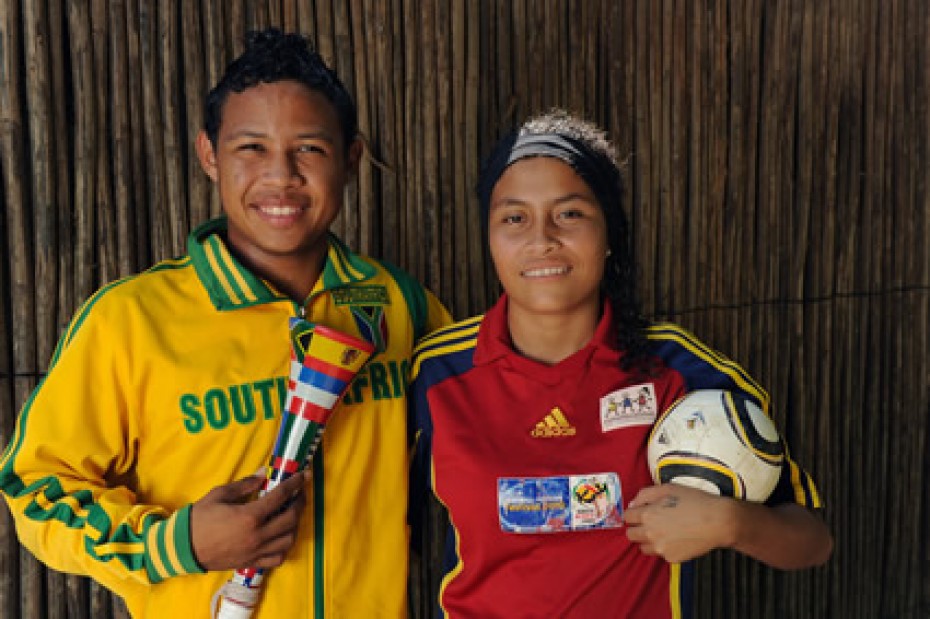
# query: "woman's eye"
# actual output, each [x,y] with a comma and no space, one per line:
[571,213]
[512,218]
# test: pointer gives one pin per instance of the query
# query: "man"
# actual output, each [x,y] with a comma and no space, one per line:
[168,386]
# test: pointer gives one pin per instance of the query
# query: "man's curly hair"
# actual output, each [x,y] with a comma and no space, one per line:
[273,56]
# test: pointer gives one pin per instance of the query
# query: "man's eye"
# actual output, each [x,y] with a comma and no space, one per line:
[251,146]
[310,148]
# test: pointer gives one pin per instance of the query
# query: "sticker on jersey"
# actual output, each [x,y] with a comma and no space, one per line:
[632,406]
[559,504]
[372,324]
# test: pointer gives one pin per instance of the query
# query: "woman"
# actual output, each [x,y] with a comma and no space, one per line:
[532,420]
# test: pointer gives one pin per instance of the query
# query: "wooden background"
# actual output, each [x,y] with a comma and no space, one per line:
[777,170]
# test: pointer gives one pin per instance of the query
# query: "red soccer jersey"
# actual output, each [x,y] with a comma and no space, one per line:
[536,463]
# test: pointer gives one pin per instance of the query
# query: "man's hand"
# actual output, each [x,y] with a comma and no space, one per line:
[679,523]
[229,531]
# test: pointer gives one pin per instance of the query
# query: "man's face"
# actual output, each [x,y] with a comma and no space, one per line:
[281,166]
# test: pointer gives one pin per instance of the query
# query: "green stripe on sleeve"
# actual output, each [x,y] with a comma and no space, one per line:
[183,543]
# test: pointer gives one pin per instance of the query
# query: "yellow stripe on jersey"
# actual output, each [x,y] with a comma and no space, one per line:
[171,551]
[70,500]
[154,555]
[236,276]
[674,333]
[463,328]
[120,548]
[674,589]
[460,564]
[343,266]
[214,261]
[454,338]
[803,486]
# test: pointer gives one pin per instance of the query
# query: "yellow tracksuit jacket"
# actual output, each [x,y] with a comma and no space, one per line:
[171,382]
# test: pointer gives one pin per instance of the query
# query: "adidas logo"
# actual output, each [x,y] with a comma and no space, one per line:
[552,425]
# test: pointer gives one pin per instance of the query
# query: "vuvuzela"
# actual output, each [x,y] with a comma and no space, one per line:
[323,363]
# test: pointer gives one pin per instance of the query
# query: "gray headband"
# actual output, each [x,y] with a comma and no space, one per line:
[595,168]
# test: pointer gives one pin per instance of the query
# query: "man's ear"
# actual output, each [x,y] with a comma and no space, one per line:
[354,155]
[207,155]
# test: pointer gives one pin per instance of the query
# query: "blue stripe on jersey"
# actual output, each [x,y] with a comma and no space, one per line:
[704,368]
[441,361]
[685,591]
[700,366]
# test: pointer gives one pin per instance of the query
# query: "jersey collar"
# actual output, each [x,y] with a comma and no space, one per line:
[232,286]
[494,344]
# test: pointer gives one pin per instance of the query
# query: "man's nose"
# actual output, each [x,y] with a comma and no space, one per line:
[282,168]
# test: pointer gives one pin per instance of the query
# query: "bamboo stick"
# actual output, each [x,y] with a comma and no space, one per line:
[44,190]
[236,20]
[325,41]
[74,601]
[171,111]
[194,92]
[522,71]
[16,583]
[289,20]
[60,156]
[430,198]
[457,204]
[348,222]
[306,17]
[475,253]
[364,237]
[383,139]
[121,153]
[409,250]
[154,140]
[272,14]
[444,121]
[84,155]
[44,275]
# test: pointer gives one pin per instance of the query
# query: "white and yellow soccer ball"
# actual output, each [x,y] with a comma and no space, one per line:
[720,442]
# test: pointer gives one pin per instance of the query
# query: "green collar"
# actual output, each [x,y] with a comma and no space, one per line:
[232,286]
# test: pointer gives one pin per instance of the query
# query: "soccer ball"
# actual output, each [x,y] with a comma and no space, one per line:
[718,441]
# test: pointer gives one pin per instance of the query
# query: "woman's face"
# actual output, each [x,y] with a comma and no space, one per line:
[548,238]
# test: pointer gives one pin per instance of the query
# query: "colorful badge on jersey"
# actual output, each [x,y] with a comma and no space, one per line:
[631,406]
[559,504]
